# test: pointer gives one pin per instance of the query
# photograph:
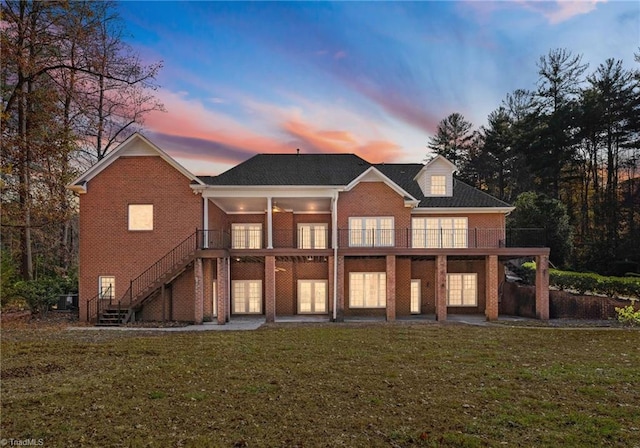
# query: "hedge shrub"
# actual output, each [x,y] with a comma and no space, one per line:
[583,282]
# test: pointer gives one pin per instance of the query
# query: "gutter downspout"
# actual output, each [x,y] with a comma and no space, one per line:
[228,279]
[334,237]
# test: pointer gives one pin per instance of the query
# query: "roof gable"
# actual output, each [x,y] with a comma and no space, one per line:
[135,145]
[375,175]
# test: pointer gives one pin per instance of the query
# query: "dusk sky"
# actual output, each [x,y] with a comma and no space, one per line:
[370,78]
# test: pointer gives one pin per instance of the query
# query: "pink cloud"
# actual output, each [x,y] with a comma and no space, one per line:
[333,141]
[561,10]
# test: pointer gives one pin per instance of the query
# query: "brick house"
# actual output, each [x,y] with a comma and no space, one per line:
[279,235]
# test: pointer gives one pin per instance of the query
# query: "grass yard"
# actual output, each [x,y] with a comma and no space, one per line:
[323,385]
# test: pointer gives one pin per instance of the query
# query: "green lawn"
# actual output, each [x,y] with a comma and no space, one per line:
[323,385]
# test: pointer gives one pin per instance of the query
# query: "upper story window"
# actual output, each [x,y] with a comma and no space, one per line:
[140,216]
[371,232]
[438,185]
[439,232]
[246,236]
[312,236]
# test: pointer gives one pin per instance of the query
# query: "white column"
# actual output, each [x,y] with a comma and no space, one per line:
[205,223]
[269,224]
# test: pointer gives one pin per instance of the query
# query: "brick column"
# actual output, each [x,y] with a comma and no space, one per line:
[340,310]
[199,296]
[207,278]
[330,286]
[542,287]
[223,293]
[270,288]
[391,287]
[491,287]
[441,287]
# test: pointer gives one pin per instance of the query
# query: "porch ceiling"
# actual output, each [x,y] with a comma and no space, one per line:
[259,205]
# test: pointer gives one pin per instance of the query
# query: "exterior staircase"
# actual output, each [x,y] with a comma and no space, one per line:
[144,286]
[113,317]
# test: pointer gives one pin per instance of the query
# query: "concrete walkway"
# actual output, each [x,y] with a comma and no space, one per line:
[254,322]
[233,325]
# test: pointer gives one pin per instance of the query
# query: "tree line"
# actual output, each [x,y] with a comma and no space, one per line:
[568,147]
[72,89]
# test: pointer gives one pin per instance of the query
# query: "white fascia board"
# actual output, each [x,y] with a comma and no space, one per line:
[78,186]
[391,184]
[460,210]
[277,191]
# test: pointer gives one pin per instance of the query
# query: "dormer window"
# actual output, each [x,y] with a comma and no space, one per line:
[436,177]
[438,185]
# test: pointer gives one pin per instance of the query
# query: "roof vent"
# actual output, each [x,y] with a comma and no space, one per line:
[297,151]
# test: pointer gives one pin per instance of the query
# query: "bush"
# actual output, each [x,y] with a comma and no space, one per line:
[583,282]
[628,316]
[8,277]
[42,293]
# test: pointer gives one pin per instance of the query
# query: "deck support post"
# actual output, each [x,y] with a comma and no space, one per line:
[542,287]
[222,290]
[441,287]
[340,289]
[270,287]
[491,288]
[391,288]
[199,291]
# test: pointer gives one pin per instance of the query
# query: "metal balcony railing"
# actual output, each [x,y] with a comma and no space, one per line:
[320,238]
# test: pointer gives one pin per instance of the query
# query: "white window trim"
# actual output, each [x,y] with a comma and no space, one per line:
[246,299]
[364,236]
[381,299]
[247,238]
[464,298]
[313,303]
[434,238]
[113,287]
[138,217]
[416,310]
[313,226]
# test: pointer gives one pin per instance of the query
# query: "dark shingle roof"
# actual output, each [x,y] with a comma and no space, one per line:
[464,195]
[292,169]
[341,169]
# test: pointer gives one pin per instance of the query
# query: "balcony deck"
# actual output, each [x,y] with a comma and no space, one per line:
[400,242]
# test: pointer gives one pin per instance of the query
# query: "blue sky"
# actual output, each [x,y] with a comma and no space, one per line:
[371,78]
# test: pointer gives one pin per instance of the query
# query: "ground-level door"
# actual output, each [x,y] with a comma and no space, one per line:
[246,296]
[312,296]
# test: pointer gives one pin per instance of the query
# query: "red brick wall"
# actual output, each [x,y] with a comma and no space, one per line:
[403,286]
[183,297]
[425,271]
[284,234]
[247,271]
[465,267]
[378,264]
[373,199]
[520,300]
[107,247]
